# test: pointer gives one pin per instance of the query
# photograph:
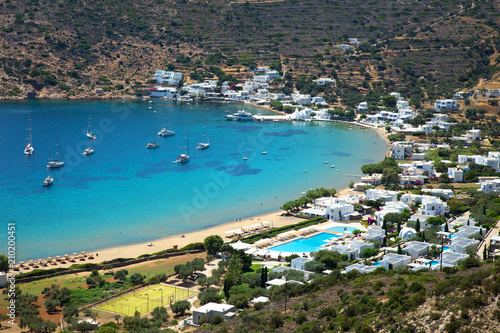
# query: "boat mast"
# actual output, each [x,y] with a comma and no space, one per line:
[29,129]
[60,149]
[186,147]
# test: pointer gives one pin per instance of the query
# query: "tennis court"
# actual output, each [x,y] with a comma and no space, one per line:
[146,299]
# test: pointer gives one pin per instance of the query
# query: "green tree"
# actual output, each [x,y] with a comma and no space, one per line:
[198,264]
[390,177]
[121,275]
[51,304]
[417,226]
[4,263]
[136,278]
[180,307]
[160,314]
[240,301]
[213,244]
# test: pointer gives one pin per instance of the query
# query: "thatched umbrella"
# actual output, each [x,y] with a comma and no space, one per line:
[58,258]
[75,254]
[31,262]
[21,263]
[49,259]
[83,253]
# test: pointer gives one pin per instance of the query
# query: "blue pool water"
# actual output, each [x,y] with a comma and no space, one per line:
[305,245]
[453,236]
[376,264]
[445,248]
[434,263]
[343,230]
[125,194]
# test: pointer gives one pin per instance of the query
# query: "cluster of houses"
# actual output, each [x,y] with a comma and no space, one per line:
[255,90]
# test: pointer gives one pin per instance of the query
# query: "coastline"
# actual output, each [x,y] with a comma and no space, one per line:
[135,250]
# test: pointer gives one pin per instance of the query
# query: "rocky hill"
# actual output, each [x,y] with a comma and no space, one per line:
[464,301]
[68,48]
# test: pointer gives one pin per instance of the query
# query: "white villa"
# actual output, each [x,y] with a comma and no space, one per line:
[325,81]
[460,245]
[386,195]
[362,268]
[416,249]
[392,260]
[441,104]
[210,310]
[492,160]
[490,186]
[167,77]
[330,208]
[433,206]
[299,263]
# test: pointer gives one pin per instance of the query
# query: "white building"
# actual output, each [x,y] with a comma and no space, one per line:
[167,77]
[406,233]
[164,92]
[299,263]
[401,150]
[375,194]
[440,192]
[492,160]
[301,99]
[362,268]
[354,41]
[416,249]
[441,104]
[456,174]
[3,279]
[344,47]
[325,81]
[330,208]
[433,206]
[392,260]
[460,245]
[362,107]
[468,230]
[262,78]
[375,232]
[390,207]
[450,259]
[210,310]
[490,186]
[280,282]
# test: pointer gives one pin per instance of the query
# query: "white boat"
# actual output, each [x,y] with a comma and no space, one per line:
[183,157]
[152,145]
[48,181]
[325,162]
[53,164]
[29,150]
[240,115]
[90,135]
[245,158]
[164,131]
[332,166]
[264,153]
[205,144]
[350,128]
[89,150]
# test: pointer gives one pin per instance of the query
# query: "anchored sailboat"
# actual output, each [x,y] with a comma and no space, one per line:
[205,144]
[48,181]
[164,131]
[52,164]
[152,143]
[183,157]
[90,135]
[29,150]
[89,150]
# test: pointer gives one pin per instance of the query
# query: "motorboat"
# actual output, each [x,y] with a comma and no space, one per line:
[152,145]
[239,116]
[245,158]
[264,153]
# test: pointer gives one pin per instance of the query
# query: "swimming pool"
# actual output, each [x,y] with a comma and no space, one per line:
[453,236]
[343,230]
[304,245]
[377,264]
[446,248]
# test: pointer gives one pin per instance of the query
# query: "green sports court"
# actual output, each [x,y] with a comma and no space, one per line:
[146,299]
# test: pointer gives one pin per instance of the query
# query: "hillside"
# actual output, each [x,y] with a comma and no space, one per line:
[464,301]
[67,49]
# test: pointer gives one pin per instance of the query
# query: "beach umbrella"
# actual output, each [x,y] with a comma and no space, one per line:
[31,262]
[49,259]
[75,254]
[84,253]
[66,255]
[40,260]
[58,258]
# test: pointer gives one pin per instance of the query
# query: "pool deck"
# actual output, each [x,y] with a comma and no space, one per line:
[321,228]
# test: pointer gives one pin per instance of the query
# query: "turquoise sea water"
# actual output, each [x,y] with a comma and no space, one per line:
[125,193]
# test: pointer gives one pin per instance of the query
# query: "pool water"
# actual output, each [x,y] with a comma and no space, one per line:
[446,248]
[377,264]
[343,230]
[453,236]
[304,245]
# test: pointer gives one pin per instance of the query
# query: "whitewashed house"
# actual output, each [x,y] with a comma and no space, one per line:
[168,77]
[450,258]
[386,195]
[406,233]
[441,104]
[164,92]
[456,174]
[401,150]
[354,41]
[440,192]
[325,81]
[469,230]
[490,186]
[210,310]
[460,245]
[362,107]
[344,47]
[433,206]
[301,99]
[300,263]
[330,208]
[262,78]
[362,268]
[416,249]
[392,260]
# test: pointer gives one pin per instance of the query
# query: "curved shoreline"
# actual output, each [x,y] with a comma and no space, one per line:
[137,249]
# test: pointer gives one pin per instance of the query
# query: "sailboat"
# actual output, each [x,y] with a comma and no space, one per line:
[183,157]
[164,131]
[89,150]
[29,150]
[90,135]
[48,181]
[206,143]
[52,164]
[152,144]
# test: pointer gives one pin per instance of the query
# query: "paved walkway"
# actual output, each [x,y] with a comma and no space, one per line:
[495,231]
